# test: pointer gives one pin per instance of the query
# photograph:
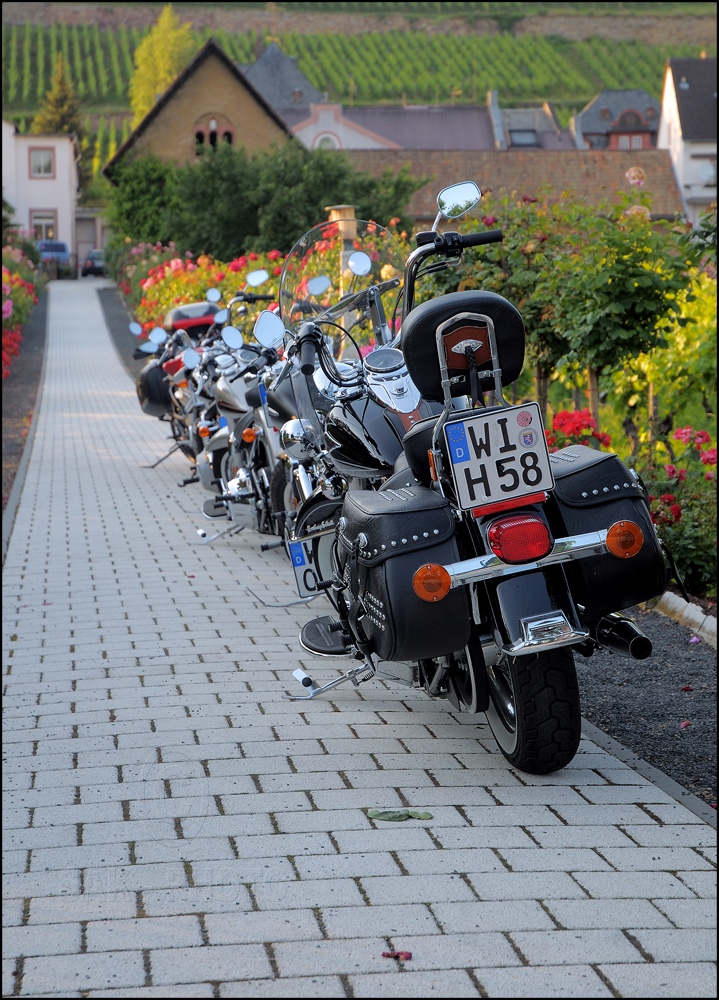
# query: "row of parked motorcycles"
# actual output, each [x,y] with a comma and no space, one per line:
[368,432]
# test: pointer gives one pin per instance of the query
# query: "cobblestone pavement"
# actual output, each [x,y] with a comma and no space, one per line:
[174,826]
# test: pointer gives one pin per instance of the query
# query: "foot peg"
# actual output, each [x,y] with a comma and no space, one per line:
[214,508]
[325,637]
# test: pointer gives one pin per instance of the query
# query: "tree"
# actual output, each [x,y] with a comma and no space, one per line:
[60,114]
[215,207]
[159,58]
[144,189]
[620,284]
[228,204]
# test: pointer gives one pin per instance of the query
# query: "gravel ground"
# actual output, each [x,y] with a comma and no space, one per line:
[663,709]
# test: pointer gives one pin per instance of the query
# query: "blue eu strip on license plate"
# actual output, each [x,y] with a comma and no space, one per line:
[498,455]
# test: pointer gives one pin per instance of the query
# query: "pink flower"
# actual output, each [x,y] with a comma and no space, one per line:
[683,434]
[671,471]
[709,457]
[191,266]
[176,264]
[274,255]
[6,309]
[638,210]
[636,176]
[489,220]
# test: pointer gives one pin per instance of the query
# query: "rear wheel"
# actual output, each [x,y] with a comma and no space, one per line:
[534,709]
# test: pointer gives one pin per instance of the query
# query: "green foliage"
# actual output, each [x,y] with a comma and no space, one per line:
[139,203]
[683,501]
[229,204]
[160,57]
[215,208]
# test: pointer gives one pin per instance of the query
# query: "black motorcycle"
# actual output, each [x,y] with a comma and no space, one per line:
[347,433]
[484,563]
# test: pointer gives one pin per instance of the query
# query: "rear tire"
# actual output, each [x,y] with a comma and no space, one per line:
[534,710]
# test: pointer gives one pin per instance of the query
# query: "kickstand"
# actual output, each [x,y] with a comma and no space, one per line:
[155,464]
[233,529]
[313,690]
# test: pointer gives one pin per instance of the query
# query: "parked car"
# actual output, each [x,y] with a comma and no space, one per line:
[55,256]
[94,263]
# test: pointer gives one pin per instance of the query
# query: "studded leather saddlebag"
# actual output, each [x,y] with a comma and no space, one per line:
[383,538]
[593,490]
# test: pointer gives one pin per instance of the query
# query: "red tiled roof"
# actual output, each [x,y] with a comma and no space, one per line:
[593,174]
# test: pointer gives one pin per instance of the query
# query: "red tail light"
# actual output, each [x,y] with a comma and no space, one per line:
[173,366]
[520,538]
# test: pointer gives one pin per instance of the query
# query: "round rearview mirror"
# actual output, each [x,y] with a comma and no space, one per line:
[158,335]
[148,347]
[269,330]
[135,329]
[220,317]
[359,263]
[457,199]
[232,336]
[318,285]
[213,295]
[255,278]
[191,358]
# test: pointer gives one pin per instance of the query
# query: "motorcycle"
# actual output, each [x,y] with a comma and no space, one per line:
[166,387]
[347,435]
[485,563]
[241,443]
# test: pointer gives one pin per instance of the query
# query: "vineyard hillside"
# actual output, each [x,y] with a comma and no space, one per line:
[392,53]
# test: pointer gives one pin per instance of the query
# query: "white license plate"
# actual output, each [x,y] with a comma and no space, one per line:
[311,562]
[498,456]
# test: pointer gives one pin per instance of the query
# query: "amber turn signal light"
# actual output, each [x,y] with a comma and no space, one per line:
[624,539]
[431,582]
[204,432]
[249,434]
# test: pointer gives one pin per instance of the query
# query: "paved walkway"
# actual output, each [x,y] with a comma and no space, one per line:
[174,827]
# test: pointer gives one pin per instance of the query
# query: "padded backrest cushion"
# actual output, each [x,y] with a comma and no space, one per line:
[419,343]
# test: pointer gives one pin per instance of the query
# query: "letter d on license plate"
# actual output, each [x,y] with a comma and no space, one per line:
[311,562]
[500,455]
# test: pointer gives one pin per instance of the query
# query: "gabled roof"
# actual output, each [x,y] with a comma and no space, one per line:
[595,175]
[593,118]
[275,75]
[695,84]
[208,50]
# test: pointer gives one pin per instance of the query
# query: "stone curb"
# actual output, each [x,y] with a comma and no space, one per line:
[689,615]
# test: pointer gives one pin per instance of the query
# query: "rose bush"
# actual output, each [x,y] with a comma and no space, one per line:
[683,504]
[154,278]
[20,288]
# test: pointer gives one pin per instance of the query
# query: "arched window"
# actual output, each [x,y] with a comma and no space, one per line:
[199,143]
[326,141]
[227,137]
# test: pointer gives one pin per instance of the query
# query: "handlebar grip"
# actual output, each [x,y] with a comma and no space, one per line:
[263,298]
[307,356]
[478,239]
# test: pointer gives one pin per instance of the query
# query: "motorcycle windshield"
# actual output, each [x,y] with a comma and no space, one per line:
[328,272]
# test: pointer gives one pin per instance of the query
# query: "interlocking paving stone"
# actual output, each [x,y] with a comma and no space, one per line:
[174,825]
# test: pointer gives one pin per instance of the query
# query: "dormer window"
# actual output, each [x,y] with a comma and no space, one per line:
[523,137]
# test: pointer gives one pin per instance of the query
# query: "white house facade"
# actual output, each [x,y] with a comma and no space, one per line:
[688,130]
[40,182]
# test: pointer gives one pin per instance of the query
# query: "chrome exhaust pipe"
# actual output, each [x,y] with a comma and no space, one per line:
[621,635]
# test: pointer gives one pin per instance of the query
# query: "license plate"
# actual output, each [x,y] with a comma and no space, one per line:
[498,456]
[311,562]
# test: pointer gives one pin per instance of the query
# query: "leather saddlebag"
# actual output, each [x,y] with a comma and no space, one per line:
[383,537]
[593,490]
